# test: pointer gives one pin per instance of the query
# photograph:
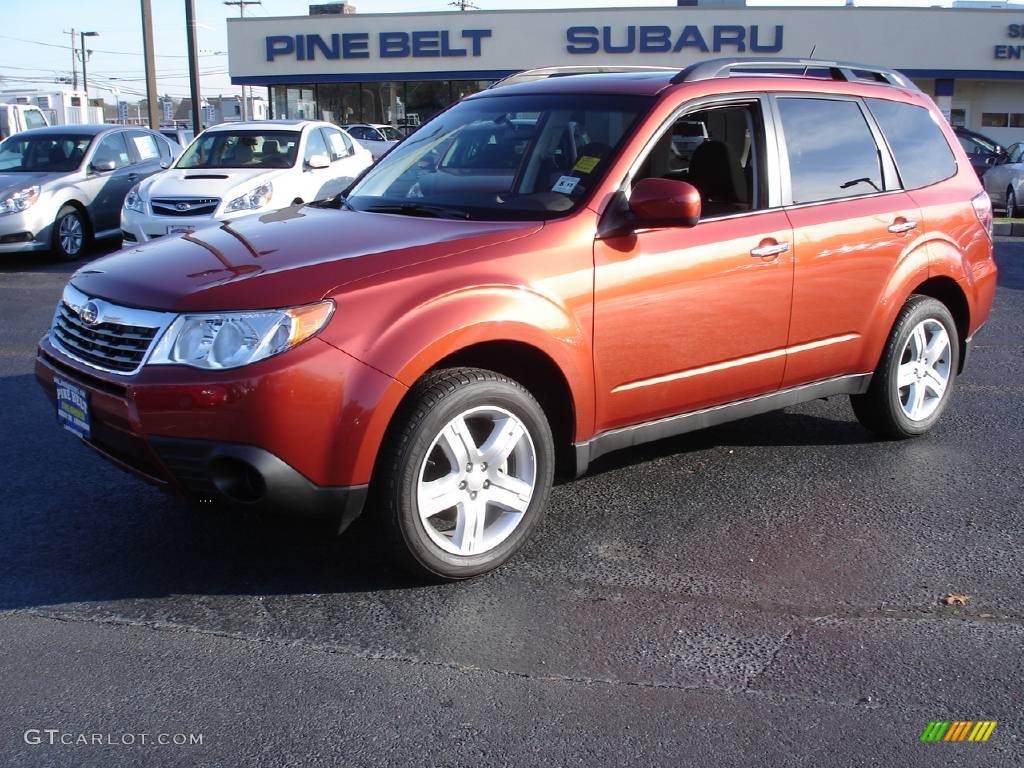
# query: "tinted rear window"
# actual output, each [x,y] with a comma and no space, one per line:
[832,152]
[922,155]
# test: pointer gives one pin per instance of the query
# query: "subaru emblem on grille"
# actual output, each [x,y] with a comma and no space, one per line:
[90,313]
[182,206]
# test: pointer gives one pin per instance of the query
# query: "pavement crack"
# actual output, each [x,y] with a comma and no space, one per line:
[400,658]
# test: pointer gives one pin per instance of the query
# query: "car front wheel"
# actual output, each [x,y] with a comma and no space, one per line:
[1011,204]
[466,473]
[914,380]
[69,233]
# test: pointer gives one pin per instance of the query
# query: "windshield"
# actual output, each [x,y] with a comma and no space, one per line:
[391,134]
[242,149]
[503,157]
[50,153]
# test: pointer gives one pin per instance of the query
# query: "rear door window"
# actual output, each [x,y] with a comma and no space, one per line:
[832,152]
[145,144]
[918,145]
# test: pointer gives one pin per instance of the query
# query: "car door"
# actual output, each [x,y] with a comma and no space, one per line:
[345,163]
[852,225]
[109,187]
[687,318]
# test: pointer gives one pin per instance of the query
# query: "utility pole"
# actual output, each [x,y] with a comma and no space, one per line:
[85,57]
[150,56]
[74,58]
[241,14]
[193,66]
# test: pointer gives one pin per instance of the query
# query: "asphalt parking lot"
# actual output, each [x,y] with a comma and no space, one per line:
[761,594]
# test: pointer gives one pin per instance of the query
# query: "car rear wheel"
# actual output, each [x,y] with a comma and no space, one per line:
[914,380]
[69,236]
[1011,204]
[465,475]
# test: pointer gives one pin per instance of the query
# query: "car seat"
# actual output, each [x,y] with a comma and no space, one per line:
[716,173]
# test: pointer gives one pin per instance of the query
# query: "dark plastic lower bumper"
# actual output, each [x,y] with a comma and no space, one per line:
[251,478]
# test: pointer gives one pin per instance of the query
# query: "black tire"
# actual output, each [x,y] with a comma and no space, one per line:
[1011,203]
[432,404]
[881,408]
[69,219]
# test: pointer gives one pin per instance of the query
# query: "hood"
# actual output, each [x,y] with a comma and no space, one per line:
[224,183]
[282,258]
[12,181]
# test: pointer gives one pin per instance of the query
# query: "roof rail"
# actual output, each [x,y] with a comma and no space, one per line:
[542,73]
[838,70]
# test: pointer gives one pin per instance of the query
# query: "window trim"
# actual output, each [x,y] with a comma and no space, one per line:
[890,178]
[771,158]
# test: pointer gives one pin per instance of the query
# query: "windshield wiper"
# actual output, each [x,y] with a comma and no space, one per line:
[420,209]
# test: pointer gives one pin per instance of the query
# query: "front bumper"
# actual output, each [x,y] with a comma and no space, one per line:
[143,227]
[289,434]
[27,230]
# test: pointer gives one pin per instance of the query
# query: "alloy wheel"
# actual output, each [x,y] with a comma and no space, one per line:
[71,234]
[476,481]
[924,370]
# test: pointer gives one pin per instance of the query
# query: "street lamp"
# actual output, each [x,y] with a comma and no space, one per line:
[85,82]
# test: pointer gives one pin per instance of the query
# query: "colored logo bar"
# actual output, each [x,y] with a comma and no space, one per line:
[958,730]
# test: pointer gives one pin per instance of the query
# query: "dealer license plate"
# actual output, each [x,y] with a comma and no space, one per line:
[72,408]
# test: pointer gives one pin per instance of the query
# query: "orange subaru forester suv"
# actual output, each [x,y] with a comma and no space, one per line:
[564,265]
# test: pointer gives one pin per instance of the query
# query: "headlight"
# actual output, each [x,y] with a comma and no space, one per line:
[133,200]
[233,339]
[15,202]
[254,198]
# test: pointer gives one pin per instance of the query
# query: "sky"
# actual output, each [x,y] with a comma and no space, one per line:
[35,47]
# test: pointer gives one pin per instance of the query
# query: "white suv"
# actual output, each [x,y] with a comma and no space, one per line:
[236,169]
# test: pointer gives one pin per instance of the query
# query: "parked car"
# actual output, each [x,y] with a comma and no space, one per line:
[15,118]
[376,137]
[1004,181]
[178,133]
[444,353]
[982,151]
[63,186]
[234,169]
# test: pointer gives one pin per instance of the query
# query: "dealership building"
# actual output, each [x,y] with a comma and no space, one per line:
[403,68]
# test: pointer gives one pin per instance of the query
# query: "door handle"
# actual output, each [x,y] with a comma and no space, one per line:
[898,227]
[765,250]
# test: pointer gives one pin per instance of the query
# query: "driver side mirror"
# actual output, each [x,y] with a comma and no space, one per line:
[103,166]
[664,203]
[319,160]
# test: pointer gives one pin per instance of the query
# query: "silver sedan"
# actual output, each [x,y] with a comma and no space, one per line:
[1004,181]
[63,186]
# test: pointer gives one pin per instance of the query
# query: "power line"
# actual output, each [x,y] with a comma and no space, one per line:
[99,50]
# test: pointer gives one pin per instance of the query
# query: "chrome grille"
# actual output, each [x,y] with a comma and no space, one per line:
[170,206]
[118,341]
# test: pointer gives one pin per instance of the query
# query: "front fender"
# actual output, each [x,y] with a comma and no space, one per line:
[407,346]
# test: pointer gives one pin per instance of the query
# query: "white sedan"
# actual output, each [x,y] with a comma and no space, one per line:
[235,169]
[376,137]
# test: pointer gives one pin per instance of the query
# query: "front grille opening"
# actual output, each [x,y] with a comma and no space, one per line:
[109,346]
[169,206]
